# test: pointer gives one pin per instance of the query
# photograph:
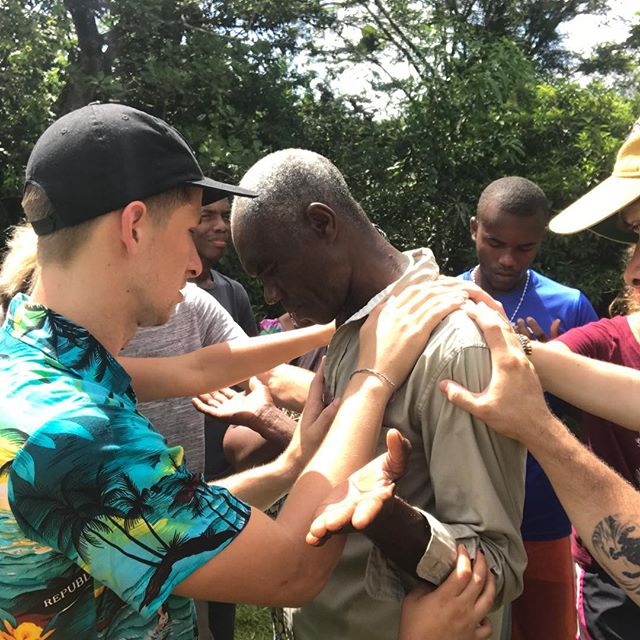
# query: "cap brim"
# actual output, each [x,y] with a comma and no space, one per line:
[595,210]
[212,190]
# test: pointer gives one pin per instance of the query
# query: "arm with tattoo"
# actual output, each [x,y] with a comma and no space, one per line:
[603,507]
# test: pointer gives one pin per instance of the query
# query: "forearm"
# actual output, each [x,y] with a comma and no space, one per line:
[603,508]
[262,486]
[245,449]
[273,425]
[601,388]
[349,444]
[402,534]
[219,365]
[288,385]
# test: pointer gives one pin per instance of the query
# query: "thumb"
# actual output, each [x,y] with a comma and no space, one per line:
[458,395]
[554,332]
[460,577]
[399,449]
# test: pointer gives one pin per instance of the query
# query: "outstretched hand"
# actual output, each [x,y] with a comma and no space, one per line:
[234,406]
[455,610]
[355,503]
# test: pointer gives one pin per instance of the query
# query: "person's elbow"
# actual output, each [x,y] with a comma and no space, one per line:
[507,560]
[302,582]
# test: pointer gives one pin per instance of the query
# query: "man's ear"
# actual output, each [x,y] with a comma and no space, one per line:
[473,227]
[133,219]
[322,220]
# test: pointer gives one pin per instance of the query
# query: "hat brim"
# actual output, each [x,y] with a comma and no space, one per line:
[212,190]
[595,210]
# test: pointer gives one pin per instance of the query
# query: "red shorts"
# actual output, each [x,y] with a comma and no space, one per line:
[547,607]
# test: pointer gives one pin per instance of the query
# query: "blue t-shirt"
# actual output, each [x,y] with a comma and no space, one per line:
[99,518]
[545,300]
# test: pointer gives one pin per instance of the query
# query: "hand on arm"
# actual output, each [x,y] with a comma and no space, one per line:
[270,562]
[603,508]
[455,610]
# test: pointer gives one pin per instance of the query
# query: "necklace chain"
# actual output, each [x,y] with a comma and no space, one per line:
[474,278]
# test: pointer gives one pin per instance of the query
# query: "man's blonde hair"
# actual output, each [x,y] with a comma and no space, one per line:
[62,245]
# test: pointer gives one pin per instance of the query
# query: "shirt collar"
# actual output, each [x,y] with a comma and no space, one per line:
[422,267]
[65,342]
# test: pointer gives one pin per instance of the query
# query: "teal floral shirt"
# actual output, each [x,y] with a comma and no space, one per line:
[99,518]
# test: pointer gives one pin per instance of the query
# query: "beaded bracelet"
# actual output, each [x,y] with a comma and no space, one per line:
[525,343]
[377,374]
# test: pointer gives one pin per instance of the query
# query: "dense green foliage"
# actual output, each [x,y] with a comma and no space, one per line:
[477,89]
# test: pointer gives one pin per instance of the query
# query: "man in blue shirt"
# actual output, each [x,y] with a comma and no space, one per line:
[509,226]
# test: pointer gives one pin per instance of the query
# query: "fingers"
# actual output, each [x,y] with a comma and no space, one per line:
[459,578]
[332,519]
[323,422]
[368,509]
[531,328]
[220,396]
[399,449]
[521,327]
[485,600]
[484,630]
[536,330]
[314,405]
[499,336]
[200,406]
[461,397]
[478,579]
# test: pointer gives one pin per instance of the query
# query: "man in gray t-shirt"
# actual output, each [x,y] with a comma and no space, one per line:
[198,321]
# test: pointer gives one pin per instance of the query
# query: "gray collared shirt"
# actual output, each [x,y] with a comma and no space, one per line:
[465,478]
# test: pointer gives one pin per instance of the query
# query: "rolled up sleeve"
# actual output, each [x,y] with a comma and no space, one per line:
[477,478]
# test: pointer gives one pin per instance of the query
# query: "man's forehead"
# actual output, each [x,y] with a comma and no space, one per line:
[255,245]
[221,206]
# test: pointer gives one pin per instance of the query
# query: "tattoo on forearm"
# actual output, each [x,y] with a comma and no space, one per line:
[616,542]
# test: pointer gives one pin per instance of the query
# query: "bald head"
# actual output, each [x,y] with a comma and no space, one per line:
[287,182]
[513,195]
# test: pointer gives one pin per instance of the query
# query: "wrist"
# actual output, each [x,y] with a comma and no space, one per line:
[526,344]
[545,436]
[373,381]
[272,424]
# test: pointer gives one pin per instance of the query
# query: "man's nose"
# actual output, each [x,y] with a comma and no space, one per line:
[194,266]
[506,259]
[219,223]
[272,295]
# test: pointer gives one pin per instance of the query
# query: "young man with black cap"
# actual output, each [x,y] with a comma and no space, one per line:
[103,531]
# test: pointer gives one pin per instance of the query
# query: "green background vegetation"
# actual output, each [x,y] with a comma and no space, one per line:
[478,89]
[490,91]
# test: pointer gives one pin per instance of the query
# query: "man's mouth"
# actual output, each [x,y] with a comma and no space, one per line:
[505,276]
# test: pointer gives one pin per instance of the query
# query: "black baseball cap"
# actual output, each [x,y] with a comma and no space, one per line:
[101,157]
